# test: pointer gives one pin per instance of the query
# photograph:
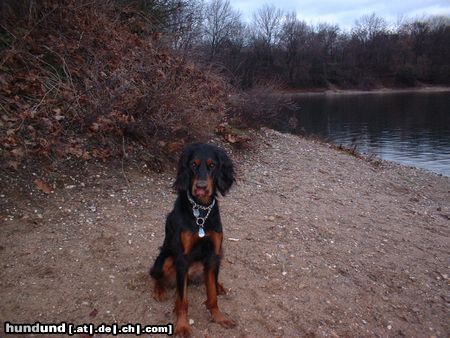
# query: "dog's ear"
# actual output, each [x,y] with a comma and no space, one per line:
[226,172]
[182,182]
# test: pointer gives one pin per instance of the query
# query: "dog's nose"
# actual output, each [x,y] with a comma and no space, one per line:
[201,184]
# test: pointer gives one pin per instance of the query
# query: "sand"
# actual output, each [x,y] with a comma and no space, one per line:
[318,243]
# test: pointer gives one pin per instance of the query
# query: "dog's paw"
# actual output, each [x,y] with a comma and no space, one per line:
[221,289]
[223,320]
[159,293]
[183,330]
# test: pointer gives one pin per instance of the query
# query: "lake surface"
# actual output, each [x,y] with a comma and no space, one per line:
[408,128]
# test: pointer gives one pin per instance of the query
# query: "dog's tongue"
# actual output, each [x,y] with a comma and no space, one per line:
[200,192]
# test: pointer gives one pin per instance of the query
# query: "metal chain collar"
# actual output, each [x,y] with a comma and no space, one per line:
[200,221]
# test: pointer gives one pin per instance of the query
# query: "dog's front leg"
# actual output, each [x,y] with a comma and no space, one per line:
[182,327]
[212,267]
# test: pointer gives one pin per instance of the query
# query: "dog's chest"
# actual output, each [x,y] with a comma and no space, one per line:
[202,248]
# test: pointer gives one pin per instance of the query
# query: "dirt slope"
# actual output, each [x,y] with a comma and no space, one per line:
[318,243]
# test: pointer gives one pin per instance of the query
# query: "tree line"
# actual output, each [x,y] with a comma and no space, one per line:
[278,47]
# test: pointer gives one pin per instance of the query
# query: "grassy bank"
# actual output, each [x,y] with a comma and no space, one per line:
[92,81]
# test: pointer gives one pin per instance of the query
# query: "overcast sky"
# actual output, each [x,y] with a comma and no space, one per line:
[345,12]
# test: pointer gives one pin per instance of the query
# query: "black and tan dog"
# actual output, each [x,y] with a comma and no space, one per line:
[193,231]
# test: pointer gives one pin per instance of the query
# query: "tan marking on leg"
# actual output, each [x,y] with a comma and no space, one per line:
[160,286]
[182,327]
[188,240]
[211,301]
[216,238]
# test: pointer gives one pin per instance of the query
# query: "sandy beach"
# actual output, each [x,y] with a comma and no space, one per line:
[318,243]
[424,89]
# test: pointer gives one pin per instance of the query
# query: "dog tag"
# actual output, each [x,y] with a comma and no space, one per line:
[201,232]
[196,212]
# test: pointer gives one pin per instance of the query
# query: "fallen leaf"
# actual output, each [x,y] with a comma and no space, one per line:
[93,313]
[42,186]
[17,152]
[94,127]
[13,164]
[175,146]
[75,151]
[86,156]
[231,138]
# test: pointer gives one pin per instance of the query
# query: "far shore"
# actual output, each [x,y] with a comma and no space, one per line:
[424,89]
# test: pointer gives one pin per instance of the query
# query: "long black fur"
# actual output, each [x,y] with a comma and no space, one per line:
[181,219]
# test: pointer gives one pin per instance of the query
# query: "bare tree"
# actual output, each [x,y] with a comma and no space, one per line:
[283,48]
[184,24]
[368,26]
[221,21]
[267,24]
[327,35]
[293,32]
[293,41]
[438,22]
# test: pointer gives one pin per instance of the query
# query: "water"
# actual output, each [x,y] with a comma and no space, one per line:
[408,128]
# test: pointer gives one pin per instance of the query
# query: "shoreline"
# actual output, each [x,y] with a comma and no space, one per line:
[378,91]
[370,157]
[396,157]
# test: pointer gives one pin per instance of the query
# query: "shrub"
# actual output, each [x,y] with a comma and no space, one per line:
[260,105]
[440,74]
[406,76]
[76,83]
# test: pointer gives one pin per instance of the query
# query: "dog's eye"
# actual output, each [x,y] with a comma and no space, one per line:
[212,165]
[194,165]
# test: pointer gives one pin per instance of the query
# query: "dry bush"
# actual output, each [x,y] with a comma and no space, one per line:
[261,105]
[76,82]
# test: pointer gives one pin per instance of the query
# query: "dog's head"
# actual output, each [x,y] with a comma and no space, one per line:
[204,169]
